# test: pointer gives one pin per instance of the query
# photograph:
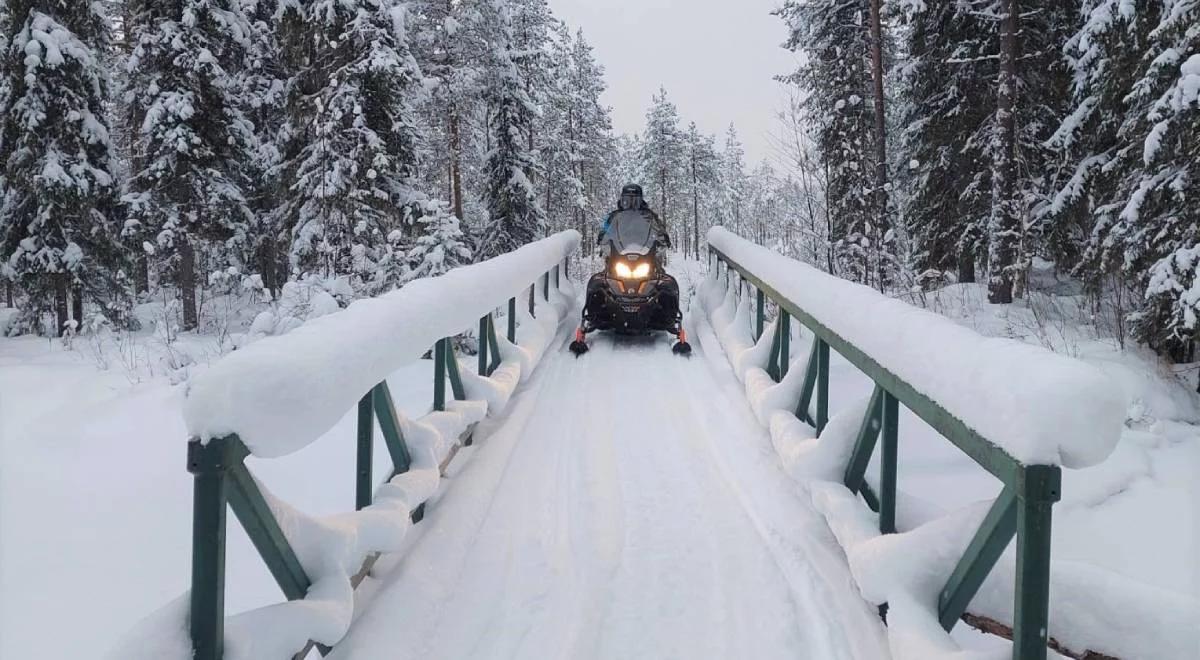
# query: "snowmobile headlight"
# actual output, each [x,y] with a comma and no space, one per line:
[623,270]
[642,271]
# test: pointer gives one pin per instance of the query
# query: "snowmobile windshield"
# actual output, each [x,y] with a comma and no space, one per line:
[631,233]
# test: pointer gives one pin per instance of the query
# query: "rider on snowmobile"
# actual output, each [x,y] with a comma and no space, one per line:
[632,201]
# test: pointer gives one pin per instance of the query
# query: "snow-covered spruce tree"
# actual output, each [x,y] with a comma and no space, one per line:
[515,216]
[353,136]
[59,217]
[1134,141]
[264,88]
[450,44]
[189,180]
[662,158]
[703,182]
[441,244]
[591,133]
[733,183]
[835,36]
[946,108]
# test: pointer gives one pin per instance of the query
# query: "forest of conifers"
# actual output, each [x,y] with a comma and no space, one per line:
[190,146]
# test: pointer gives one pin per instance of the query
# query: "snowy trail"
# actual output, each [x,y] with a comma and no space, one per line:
[616,511]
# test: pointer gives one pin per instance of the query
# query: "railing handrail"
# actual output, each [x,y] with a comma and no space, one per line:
[281,393]
[1023,508]
[222,480]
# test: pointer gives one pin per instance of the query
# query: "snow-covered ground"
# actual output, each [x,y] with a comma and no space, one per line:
[560,528]
[627,508]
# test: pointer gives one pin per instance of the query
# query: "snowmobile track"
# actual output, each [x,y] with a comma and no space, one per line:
[626,506]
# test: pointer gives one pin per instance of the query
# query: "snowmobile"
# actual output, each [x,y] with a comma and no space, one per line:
[633,294]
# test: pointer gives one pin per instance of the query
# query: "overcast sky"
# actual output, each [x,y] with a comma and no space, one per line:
[716,59]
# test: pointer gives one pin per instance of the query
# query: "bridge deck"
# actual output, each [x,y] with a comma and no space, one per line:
[619,511]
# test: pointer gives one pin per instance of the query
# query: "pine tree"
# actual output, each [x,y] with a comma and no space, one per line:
[450,43]
[59,217]
[835,37]
[189,184]
[1134,146]
[703,169]
[265,90]
[662,156]
[441,245]
[733,181]
[515,216]
[351,161]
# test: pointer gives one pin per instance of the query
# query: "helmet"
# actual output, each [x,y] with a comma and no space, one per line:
[631,197]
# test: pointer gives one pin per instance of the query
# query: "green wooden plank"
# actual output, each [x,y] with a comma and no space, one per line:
[822,385]
[456,383]
[977,561]
[258,520]
[208,462]
[760,315]
[439,375]
[987,454]
[512,320]
[888,458]
[482,351]
[804,407]
[864,444]
[774,359]
[1039,489]
[785,343]
[364,489]
[494,343]
[389,424]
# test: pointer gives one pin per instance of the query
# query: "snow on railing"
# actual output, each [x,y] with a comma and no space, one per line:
[281,394]
[1039,407]
[1017,410]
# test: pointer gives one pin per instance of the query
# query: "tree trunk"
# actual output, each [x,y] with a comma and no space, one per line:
[187,284]
[77,306]
[268,265]
[456,164]
[1004,227]
[61,306]
[881,174]
[8,294]
[142,282]
[966,266]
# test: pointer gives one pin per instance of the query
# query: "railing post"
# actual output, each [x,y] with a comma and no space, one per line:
[785,342]
[482,351]
[546,286]
[557,280]
[363,490]
[760,316]
[887,464]
[1038,488]
[512,320]
[210,496]
[451,361]
[532,297]
[822,385]
[439,375]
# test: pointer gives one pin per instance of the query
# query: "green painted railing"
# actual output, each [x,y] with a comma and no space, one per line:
[1022,509]
[221,481]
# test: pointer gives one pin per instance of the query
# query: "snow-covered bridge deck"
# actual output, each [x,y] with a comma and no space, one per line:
[626,507]
[633,503]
